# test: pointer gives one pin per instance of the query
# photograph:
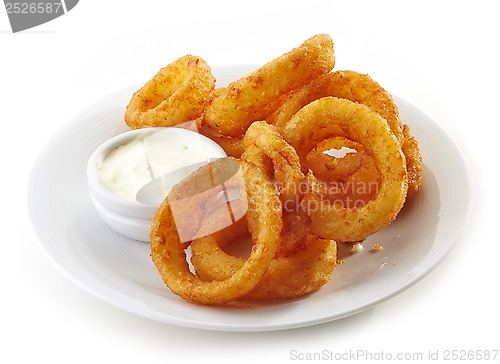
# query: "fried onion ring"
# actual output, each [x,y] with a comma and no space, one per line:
[330,168]
[352,179]
[362,89]
[169,257]
[265,145]
[247,100]
[330,117]
[233,146]
[348,85]
[296,224]
[302,271]
[414,164]
[178,93]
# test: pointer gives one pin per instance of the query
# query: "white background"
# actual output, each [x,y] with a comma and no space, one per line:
[440,56]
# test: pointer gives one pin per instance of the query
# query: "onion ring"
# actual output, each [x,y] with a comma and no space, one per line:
[302,271]
[178,93]
[233,146]
[247,100]
[265,145]
[352,179]
[414,164]
[330,168]
[362,89]
[330,116]
[168,255]
[348,85]
[194,198]
[296,224]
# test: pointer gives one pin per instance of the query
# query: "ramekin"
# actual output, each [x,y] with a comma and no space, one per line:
[132,218]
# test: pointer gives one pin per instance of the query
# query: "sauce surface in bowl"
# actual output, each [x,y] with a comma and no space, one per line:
[166,156]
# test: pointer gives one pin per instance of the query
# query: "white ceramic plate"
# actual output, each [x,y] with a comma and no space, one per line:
[120,271]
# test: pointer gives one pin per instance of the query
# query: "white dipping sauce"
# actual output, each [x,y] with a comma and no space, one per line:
[130,166]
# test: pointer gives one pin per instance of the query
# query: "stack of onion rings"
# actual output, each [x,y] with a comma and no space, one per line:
[303,262]
[280,125]
[168,252]
[359,88]
[304,270]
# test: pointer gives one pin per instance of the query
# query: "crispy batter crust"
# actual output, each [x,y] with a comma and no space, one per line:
[359,88]
[178,93]
[247,99]
[169,256]
[265,145]
[330,116]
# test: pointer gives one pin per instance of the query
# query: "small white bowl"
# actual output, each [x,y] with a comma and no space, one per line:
[130,217]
